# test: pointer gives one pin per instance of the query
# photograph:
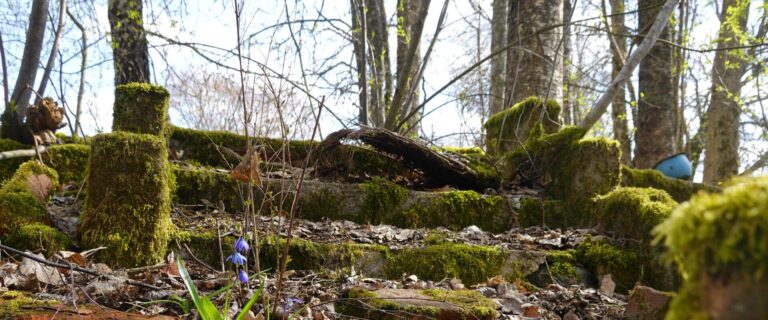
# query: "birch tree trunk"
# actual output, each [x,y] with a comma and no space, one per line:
[656,106]
[721,156]
[129,41]
[498,63]
[535,63]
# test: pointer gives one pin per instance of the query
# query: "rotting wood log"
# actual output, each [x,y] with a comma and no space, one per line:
[439,169]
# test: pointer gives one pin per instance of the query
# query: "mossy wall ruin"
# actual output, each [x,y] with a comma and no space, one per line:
[141,108]
[127,208]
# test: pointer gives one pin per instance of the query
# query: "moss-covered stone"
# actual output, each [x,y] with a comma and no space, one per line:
[680,190]
[127,207]
[11,303]
[417,304]
[69,160]
[195,184]
[632,213]
[35,236]
[571,167]
[553,213]
[141,108]
[601,257]
[381,198]
[23,216]
[509,129]
[456,210]
[9,166]
[561,267]
[471,264]
[720,245]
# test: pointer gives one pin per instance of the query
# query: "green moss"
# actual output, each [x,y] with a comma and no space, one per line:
[381,197]
[322,203]
[471,264]
[680,190]
[631,213]
[18,208]
[195,184]
[69,160]
[509,129]
[570,167]
[718,237]
[9,166]
[35,236]
[141,108]
[204,245]
[127,207]
[459,209]
[11,303]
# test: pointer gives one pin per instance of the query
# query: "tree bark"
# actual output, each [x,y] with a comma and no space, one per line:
[567,48]
[535,64]
[498,62]
[721,156]
[377,54]
[655,138]
[408,19]
[359,49]
[129,41]
[618,104]
[54,51]
[13,122]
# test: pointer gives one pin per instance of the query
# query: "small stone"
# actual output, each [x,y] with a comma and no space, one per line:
[607,286]
[456,284]
[487,291]
[647,303]
[530,310]
[571,316]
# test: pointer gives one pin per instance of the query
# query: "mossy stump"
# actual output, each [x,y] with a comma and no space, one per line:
[720,245]
[127,207]
[69,160]
[509,129]
[141,108]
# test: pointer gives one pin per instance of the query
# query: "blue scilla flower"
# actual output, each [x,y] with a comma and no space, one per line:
[236,258]
[242,276]
[241,245]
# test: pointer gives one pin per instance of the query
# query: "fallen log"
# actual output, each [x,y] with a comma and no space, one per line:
[439,169]
[22,153]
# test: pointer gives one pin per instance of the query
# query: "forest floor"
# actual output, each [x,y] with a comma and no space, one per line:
[307,294]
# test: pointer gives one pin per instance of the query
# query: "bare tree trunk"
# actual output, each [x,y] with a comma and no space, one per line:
[359,47]
[54,50]
[655,138]
[408,16]
[129,41]
[721,156]
[83,63]
[498,62]
[535,64]
[6,90]
[377,54]
[408,62]
[618,104]
[567,48]
[13,121]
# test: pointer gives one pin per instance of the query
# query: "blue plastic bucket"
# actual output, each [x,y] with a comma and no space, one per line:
[677,166]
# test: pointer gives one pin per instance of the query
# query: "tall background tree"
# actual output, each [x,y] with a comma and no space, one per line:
[655,134]
[129,41]
[721,157]
[13,116]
